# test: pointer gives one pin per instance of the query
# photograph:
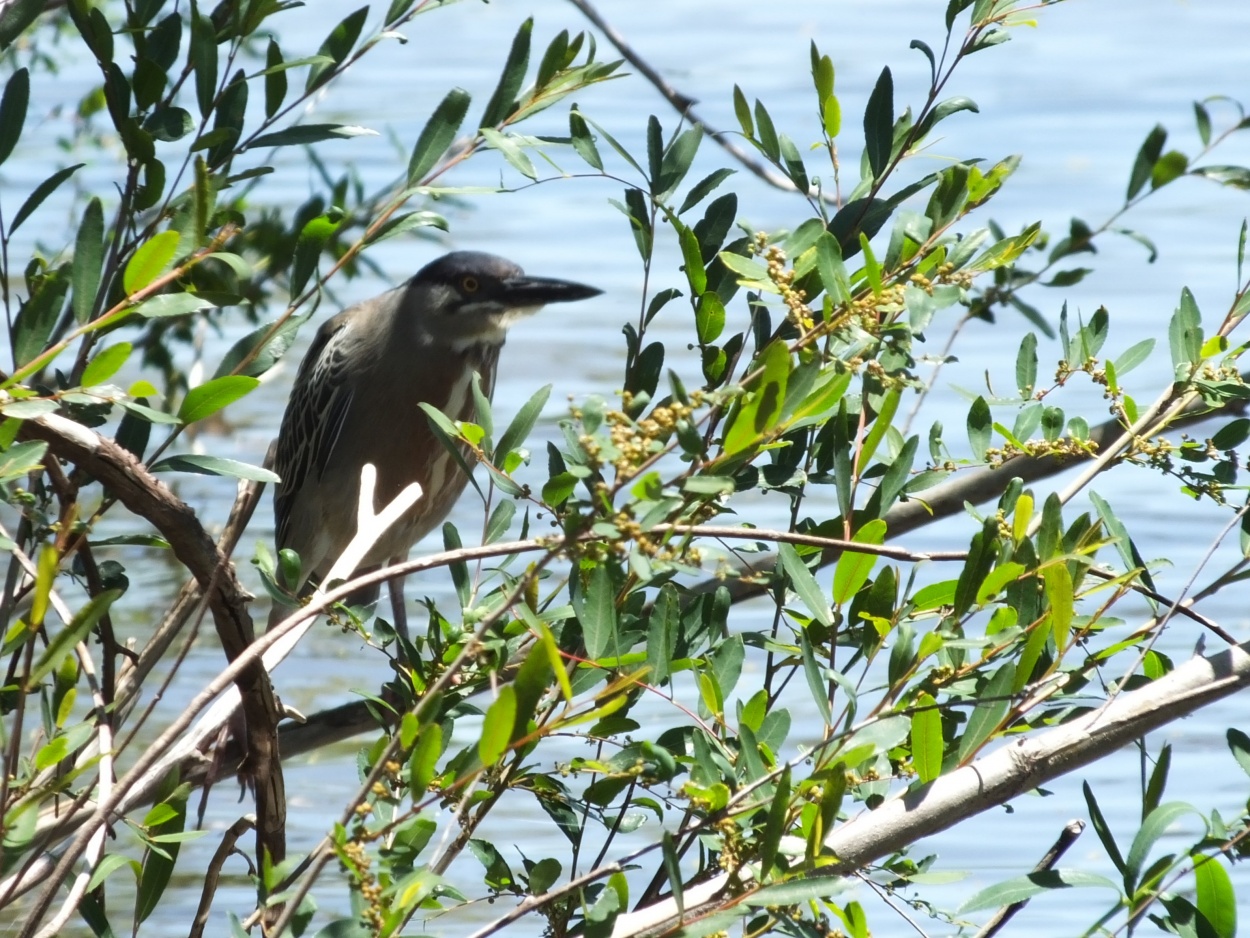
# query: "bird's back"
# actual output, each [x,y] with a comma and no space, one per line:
[343,417]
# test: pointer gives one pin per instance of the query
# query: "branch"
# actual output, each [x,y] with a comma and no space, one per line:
[683,104]
[977,487]
[130,481]
[1017,767]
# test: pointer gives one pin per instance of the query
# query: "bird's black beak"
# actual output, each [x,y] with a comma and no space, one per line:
[538,291]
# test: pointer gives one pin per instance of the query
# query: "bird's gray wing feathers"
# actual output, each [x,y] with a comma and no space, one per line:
[313,419]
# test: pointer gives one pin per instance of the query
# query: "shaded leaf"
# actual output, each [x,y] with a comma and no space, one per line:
[214,466]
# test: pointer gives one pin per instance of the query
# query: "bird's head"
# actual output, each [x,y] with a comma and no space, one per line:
[468,298]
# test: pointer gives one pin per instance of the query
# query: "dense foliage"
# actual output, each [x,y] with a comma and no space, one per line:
[695,802]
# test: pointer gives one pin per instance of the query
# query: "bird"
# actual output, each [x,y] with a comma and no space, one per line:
[357,398]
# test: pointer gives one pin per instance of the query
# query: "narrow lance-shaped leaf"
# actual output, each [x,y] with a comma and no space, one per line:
[497,726]
[1153,828]
[1147,156]
[879,124]
[337,47]
[926,738]
[438,134]
[206,399]
[583,142]
[502,101]
[1026,365]
[204,57]
[214,466]
[63,642]
[596,609]
[41,192]
[275,80]
[150,260]
[88,257]
[989,712]
[1214,895]
[980,427]
[1185,333]
[853,567]
[523,422]
[13,111]
[804,584]
[16,17]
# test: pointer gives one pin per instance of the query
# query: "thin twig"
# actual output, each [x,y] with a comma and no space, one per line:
[1067,837]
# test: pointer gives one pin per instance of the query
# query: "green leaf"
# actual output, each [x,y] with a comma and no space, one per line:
[214,466]
[1134,356]
[926,739]
[1239,745]
[813,671]
[750,272]
[663,631]
[804,584]
[672,868]
[511,148]
[308,247]
[1214,894]
[503,101]
[701,189]
[424,761]
[265,345]
[709,317]
[500,520]
[583,142]
[854,568]
[38,316]
[497,726]
[889,406]
[758,410]
[158,865]
[275,80]
[1059,595]
[172,304]
[775,825]
[203,56]
[879,124]
[88,256]
[150,260]
[980,427]
[63,642]
[1185,333]
[106,363]
[337,47]
[990,711]
[438,134]
[1154,827]
[1147,156]
[41,192]
[13,109]
[1022,888]
[595,605]
[305,134]
[16,17]
[676,162]
[1026,366]
[1101,828]
[211,396]
[522,423]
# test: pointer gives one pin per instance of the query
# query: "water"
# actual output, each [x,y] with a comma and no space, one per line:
[1076,96]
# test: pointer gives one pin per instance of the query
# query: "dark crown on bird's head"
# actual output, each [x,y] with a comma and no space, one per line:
[470,297]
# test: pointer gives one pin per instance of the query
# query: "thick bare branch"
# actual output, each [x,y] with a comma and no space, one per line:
[129,481]
[1017,767]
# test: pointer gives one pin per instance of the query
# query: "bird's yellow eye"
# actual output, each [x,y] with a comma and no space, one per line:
[469,284]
